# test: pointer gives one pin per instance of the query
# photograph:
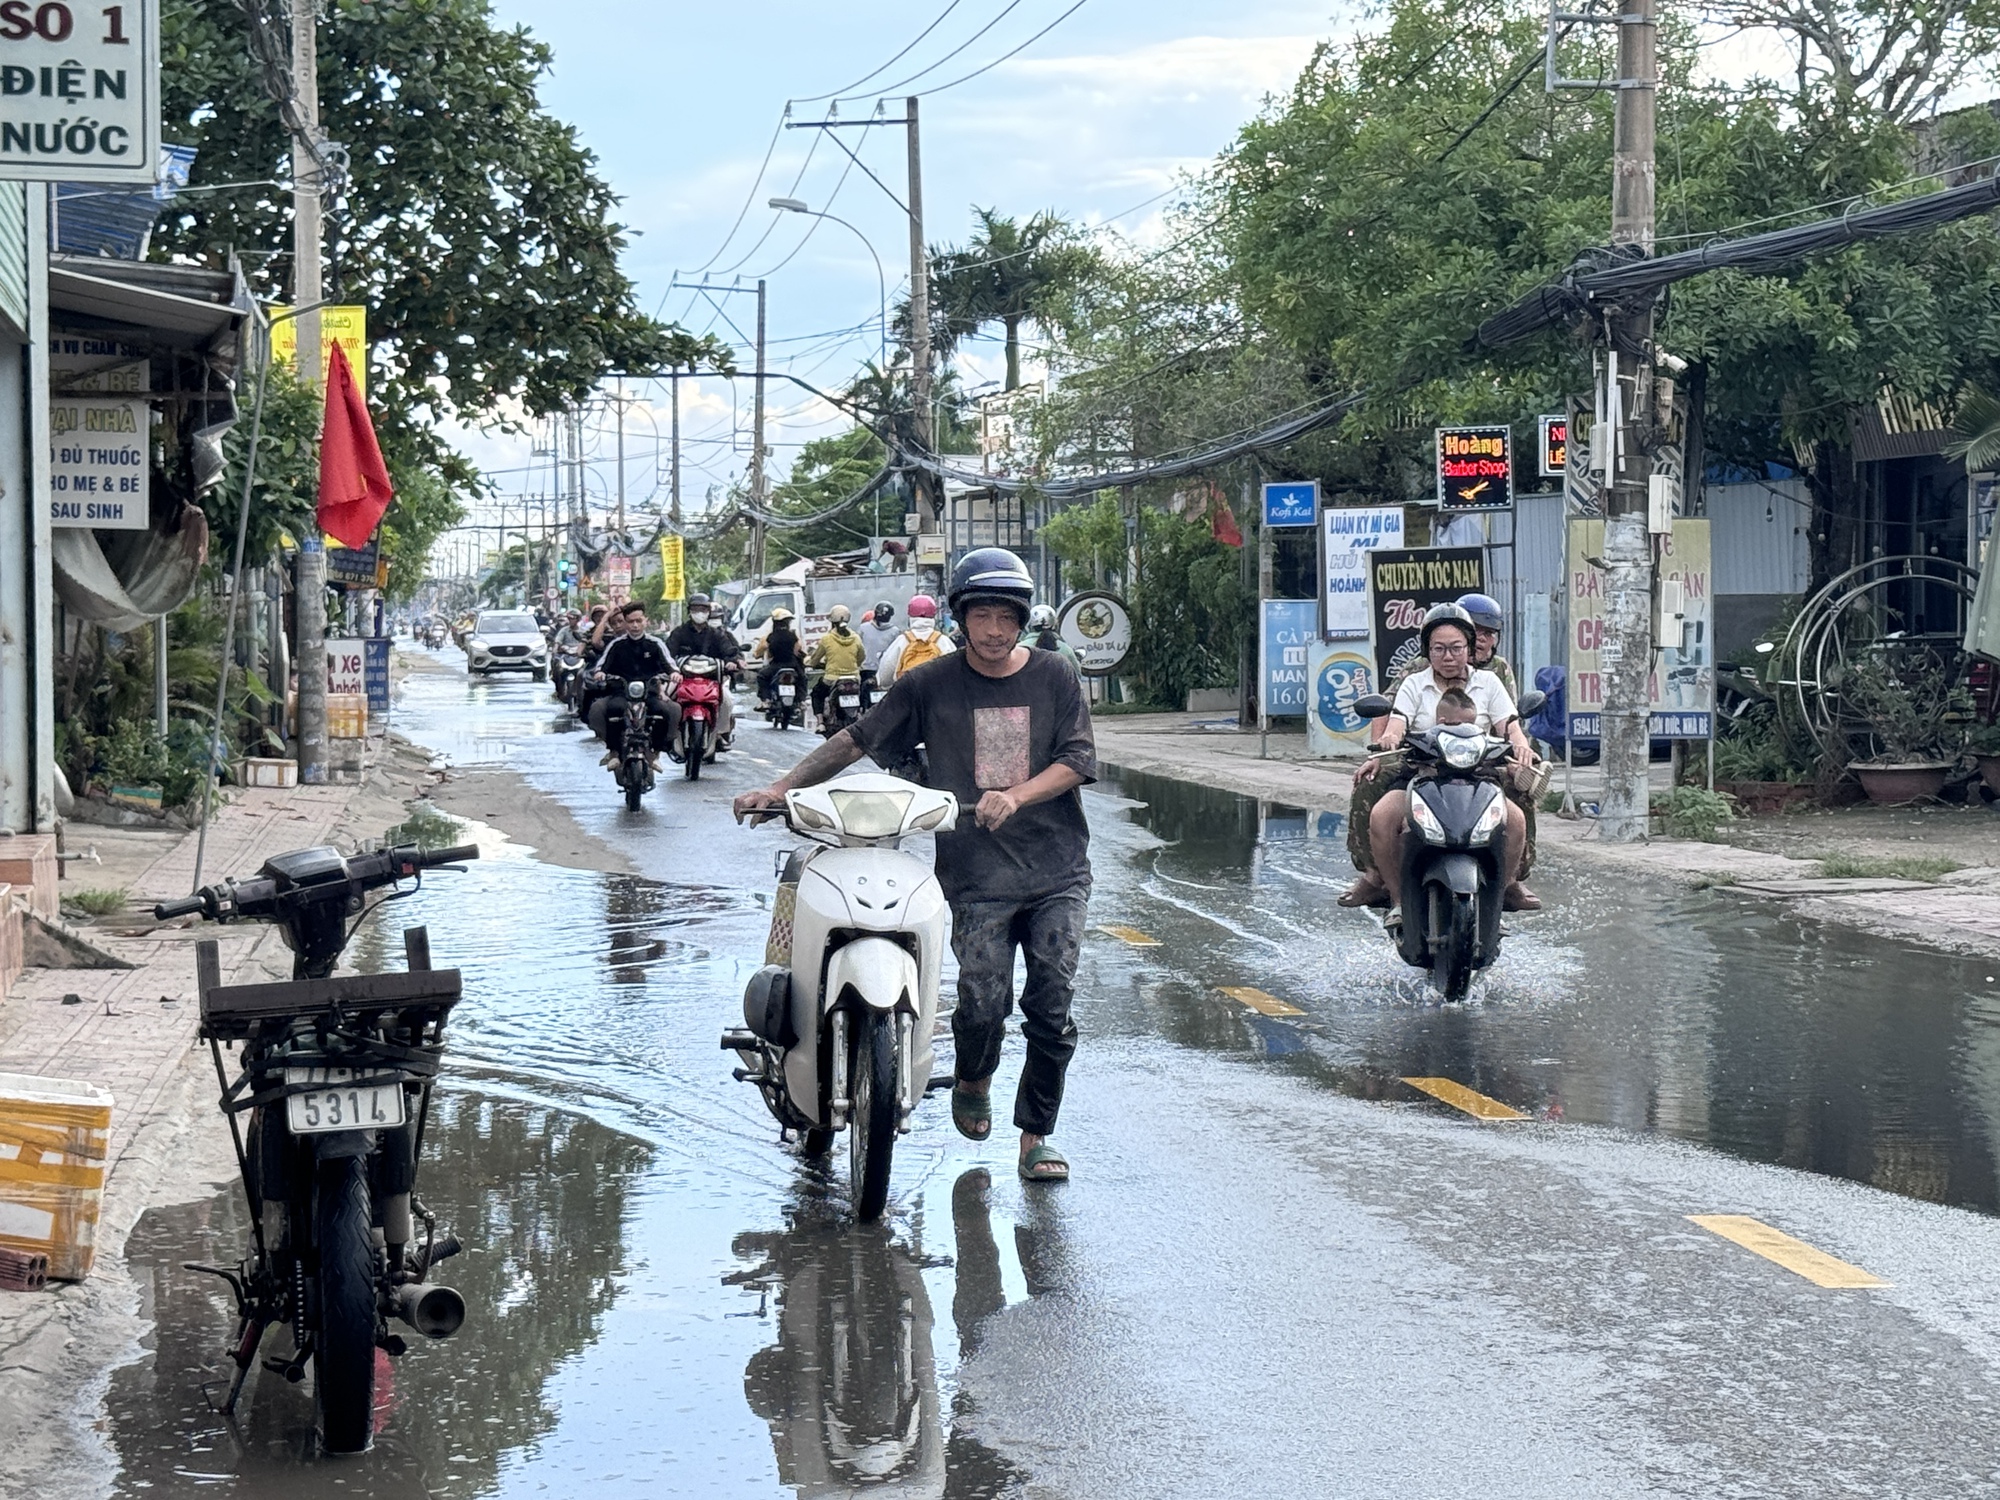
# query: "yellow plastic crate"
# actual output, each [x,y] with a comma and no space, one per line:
[55,1139]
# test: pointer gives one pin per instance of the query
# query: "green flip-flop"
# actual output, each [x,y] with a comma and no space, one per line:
[972,1113]
[1041,1156]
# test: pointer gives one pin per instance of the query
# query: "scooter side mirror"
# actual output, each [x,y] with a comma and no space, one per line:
[1372,706]
[1531,703]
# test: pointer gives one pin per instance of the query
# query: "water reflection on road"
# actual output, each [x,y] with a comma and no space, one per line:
[662,1301]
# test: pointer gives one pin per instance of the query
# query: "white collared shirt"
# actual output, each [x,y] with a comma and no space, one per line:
[1417,699]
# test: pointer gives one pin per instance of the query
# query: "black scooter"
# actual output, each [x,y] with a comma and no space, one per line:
[1452,838]
[336,1076]
[634,766]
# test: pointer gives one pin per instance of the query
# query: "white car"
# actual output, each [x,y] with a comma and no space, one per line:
[507,640]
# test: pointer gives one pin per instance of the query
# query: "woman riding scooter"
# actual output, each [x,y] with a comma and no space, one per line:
[1447,643]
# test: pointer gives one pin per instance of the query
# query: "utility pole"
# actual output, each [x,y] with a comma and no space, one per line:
[757,453]
[674,488]
[927,485]
[306,292]
[1626,654]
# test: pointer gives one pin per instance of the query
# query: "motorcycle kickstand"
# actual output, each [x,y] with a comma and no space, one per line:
[245,1355]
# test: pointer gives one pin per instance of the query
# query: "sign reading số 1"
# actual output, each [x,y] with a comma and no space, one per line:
[98,469]
[80,91]
[1475,468]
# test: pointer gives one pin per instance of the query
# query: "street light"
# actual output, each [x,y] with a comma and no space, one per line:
[798,206]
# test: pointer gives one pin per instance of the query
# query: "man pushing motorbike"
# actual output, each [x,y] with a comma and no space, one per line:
[1008,733]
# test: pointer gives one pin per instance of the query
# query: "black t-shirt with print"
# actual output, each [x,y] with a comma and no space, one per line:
[989,734]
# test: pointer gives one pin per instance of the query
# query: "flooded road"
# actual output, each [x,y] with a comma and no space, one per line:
[1279,1269]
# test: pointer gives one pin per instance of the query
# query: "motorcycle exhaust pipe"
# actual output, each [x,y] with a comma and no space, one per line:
[437,1312]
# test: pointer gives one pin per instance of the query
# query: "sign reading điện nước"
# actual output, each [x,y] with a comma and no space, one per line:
[80,91]
[98,462]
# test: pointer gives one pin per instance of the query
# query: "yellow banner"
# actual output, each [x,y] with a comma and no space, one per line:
[673,569]
[345,326]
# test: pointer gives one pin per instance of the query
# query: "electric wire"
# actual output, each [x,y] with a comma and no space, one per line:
[903,83]
[940,88]
[749,197]
[845,92]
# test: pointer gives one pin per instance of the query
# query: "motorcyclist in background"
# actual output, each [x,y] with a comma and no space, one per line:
[1041,636]
[922,642]
[839,654]
[779,649]
[700,634]
[570,634]
[876,632]
[635,656]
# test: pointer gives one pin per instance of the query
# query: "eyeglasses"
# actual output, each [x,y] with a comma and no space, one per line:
[1440,648]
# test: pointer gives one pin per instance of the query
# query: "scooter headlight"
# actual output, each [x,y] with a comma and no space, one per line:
[1461,752]
[1490,822]
[1426,820]
[634,688]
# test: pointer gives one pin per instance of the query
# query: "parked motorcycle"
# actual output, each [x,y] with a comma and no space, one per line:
[335,1078]
[1451,879]
[843,705]
[699,694]
[633,769]
[783,704]
[837,1024]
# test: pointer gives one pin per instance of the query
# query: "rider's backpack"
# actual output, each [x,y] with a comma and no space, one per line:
[917,650]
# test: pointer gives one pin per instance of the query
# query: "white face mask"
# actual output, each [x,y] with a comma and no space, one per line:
[922,628]
[699,616]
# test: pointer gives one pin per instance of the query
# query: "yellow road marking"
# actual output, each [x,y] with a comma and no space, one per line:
[1794,1255]
[1257,1000]
[1458,1096]
[1130,935]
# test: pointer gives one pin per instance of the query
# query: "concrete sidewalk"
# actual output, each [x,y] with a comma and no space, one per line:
[133,1031]
[1960,912]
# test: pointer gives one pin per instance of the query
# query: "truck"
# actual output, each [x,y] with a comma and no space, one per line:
[809,593]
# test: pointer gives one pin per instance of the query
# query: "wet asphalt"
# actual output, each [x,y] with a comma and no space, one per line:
[1279,1269]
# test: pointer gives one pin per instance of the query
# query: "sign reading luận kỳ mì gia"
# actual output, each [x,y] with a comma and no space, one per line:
[98,466]
[80,91]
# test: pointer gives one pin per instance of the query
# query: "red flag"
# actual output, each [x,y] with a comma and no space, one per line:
[1222,521]
[354,486]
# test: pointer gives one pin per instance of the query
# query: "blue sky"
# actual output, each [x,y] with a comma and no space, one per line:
[680,102]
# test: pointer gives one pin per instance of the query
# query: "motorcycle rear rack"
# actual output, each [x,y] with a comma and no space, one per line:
[231,1012]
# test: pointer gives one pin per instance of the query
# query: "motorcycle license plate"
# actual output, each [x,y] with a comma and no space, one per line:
[850,700]
[788,693]
[336,1105]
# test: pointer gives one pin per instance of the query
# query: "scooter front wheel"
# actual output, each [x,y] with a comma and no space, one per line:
[695,747]
[634,790]
[1457,929]
[871,1126]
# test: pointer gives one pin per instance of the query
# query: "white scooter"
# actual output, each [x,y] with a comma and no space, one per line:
[838,1022]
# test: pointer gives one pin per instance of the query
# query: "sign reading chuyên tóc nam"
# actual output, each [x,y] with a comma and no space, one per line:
[1403,588]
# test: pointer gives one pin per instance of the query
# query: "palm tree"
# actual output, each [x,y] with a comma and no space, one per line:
[1007,274]
[1978,427]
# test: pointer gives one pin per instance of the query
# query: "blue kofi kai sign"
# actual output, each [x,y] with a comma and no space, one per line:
[1293,504]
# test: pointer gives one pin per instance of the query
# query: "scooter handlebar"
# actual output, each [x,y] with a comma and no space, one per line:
[166,911]
[457,854]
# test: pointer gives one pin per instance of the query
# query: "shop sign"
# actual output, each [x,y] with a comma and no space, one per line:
[80,92]
[1347,535]
[1098,628]
[1284,644]
[1681,688]
[1475,468]
[1554,447]
[1404,587]
[98,474]
[1339,674]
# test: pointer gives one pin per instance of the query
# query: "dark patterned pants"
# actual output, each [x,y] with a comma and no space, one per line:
[1049,933]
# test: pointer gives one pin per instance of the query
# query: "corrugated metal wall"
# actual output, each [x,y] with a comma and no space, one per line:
[14,254]
[1759,536]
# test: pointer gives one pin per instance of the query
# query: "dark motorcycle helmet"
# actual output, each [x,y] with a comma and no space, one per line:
[991,575]
[1484,609]
[884,612]
[1445,614]
[698,601]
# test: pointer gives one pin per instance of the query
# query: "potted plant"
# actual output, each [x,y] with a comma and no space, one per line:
[1916,717]
[1983,744]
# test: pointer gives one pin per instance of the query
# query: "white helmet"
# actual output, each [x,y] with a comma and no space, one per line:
[1042,617]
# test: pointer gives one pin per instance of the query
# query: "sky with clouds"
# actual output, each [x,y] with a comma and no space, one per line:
[680,102]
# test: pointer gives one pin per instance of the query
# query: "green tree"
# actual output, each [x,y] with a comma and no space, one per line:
[475,227]
[1007,273]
